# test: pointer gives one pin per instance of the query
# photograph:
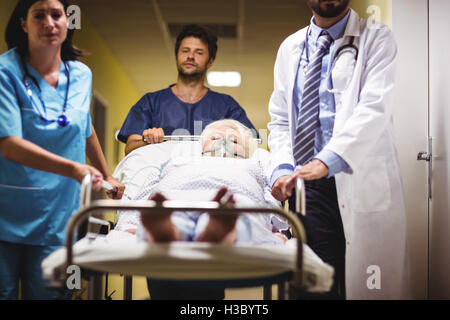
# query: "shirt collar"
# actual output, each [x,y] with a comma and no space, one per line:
[336,31]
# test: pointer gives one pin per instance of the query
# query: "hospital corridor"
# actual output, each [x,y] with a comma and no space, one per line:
[239,150]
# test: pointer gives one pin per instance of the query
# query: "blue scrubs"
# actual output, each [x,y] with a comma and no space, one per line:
[163,109]
[35,205]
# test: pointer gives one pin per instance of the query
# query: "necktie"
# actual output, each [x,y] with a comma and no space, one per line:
[308,119]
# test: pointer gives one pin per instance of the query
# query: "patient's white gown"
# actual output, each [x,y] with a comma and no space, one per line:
[199,178]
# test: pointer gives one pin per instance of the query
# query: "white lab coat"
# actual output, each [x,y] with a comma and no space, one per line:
[371,197]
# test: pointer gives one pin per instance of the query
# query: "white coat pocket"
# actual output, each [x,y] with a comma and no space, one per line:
[372,190]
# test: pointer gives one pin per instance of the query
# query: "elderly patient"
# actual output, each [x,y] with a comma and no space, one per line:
[227,173]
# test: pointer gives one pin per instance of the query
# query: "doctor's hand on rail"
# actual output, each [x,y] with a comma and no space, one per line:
[282,188]
[314,170]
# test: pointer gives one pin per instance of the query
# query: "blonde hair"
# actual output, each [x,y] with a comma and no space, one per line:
[249,143]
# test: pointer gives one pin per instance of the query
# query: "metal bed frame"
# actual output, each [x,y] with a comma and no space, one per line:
[194,138]
[183,138]
[87,207]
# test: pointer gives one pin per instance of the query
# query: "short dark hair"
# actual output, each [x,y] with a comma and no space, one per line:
[200,32]
[17,38]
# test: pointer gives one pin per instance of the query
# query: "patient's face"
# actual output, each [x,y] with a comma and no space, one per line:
[224,142]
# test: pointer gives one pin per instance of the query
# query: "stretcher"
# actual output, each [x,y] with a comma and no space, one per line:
[294,268]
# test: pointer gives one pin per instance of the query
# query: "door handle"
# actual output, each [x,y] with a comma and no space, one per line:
[424,156]
[428,157]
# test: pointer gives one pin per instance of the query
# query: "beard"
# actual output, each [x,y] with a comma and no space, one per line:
[192,75]
[330,10]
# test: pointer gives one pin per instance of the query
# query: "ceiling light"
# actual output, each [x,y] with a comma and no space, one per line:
[224,79]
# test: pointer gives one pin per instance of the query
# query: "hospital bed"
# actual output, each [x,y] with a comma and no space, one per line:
[294,268]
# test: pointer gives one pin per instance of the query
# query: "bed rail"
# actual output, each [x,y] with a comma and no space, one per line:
[182,137]
[193,138]
[149,206]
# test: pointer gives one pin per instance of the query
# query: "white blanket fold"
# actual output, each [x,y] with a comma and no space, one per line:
[122,254]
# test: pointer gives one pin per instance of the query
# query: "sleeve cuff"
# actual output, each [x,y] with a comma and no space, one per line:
[281,170]
[334,162]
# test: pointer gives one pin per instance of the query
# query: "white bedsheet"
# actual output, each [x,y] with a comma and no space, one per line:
[178,170]
[120,252]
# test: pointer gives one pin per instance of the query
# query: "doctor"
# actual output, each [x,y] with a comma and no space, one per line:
[331,125]
[45,135]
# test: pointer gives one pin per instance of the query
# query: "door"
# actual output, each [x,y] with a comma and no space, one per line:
[409,17]
[439,71]
[99,109]
[421,116]
[98,115]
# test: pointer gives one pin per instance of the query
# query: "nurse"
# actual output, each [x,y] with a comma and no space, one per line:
[45,135]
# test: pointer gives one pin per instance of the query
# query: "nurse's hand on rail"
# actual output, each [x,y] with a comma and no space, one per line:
[314,170]
[81,170]
[282,188]
[118,188]
[154,135]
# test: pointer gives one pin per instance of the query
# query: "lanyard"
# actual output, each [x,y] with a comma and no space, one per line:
[62,120]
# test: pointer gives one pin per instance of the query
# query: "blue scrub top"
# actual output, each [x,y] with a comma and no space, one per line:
[35,205]
[163,109]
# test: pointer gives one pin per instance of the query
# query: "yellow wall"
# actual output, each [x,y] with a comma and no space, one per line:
[6,8]
[110,82]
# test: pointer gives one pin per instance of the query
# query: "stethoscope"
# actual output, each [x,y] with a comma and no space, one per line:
[62,120]
[341,50]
